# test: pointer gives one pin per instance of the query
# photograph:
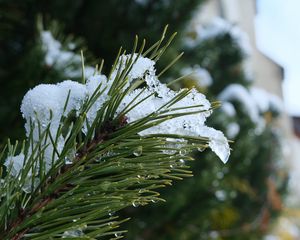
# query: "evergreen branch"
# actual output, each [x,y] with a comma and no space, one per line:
[97,165]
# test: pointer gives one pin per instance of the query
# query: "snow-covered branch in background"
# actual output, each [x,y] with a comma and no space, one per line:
[255,102]
[200,75]
[61,59]
[218,26]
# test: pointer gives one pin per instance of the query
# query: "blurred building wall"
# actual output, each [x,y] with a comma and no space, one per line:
[267,73]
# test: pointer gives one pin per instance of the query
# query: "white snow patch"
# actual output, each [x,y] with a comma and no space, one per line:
[54,52]
[232,130]
[228,109]
[255,101]
[189,125]
[45,104]
[140,68]
[199,74]
[66,61]
[16,163]
[217,27]
[239,93]
[92,85]
[266,101]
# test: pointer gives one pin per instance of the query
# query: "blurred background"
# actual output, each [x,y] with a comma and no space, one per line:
[243,53]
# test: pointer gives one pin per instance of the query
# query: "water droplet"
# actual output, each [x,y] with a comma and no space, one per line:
[111,214]
[12,206]
[118,234]
[135,204]
[200,149]
[138,151]
[72,233]
[181,163]
[154,200]
[111,223]
[75,220]
[182,152]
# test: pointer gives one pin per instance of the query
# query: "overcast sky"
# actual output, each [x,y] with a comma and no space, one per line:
[278,35]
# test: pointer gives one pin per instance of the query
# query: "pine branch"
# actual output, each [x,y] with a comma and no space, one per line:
[100,152]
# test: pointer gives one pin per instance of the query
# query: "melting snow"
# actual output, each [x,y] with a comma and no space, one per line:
[45,104]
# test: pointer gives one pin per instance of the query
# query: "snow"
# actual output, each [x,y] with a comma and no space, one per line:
[199,74]
[220,195]
[62,60]
[54,52]
[216,27]
[218,142]
[91,85]
[228,109]
[45,105]
[237,92]
[73,233]
[266,101]
[255,102]
[232,130]
[141,68]
[16,163]
[190,125]
[78,95]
